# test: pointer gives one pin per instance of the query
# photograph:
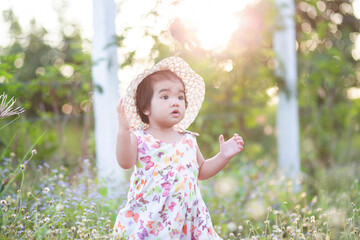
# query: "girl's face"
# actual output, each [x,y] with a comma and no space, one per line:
[167,106]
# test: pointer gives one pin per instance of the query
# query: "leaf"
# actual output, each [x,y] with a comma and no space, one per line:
[41,232]
[103,191]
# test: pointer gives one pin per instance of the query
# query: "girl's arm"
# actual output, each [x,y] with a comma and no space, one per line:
[126,143]
[228,150]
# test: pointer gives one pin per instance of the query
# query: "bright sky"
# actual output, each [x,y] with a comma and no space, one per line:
[42,11]
[198,14]
[204,16]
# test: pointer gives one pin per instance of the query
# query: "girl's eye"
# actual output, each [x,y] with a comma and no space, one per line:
[181,98]
[164,97]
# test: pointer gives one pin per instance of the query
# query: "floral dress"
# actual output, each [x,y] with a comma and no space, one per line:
[164,200]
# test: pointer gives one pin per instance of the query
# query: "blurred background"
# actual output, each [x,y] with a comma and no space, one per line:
[45,63]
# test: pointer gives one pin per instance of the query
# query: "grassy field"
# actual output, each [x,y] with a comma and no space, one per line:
[251,202]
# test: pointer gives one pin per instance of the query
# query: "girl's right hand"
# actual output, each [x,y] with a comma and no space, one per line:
[123,117]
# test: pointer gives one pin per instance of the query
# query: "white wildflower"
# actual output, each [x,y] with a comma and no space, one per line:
[6,108]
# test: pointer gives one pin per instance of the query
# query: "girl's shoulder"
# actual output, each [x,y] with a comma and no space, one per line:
[193,134]
[189,137]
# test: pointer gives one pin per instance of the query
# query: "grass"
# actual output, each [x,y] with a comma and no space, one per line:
[250,202]
[55,206]
[268,207]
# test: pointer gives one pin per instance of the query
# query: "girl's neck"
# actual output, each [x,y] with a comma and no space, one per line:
[165,134]
[160,129]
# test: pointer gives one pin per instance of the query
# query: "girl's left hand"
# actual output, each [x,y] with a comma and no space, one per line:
[123,118]
[231,147]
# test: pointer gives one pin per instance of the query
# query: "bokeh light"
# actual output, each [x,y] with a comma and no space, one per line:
[256,210]
[67,108]
[225,187]
[213,21]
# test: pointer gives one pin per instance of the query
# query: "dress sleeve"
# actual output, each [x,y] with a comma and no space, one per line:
[194,140]
[137,133]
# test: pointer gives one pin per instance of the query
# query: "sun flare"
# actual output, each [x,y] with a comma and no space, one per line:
[213,21]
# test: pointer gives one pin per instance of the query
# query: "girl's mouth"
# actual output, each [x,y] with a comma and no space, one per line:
[175,113]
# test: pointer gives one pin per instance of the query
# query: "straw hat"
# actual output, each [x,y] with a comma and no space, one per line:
[194,91]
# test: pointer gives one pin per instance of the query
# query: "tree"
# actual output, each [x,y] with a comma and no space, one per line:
[287,109]
[106,92]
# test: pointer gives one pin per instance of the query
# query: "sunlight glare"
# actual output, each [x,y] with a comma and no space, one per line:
[273,94]
[353,93]
[356,6]
[78,12]
[213,20]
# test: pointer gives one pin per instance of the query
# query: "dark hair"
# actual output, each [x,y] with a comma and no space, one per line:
[145,91]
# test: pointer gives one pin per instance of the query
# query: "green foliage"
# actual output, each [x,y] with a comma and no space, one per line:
[52,81]
[327,70]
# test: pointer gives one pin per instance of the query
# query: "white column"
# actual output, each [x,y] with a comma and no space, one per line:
[106,93]
[287,109]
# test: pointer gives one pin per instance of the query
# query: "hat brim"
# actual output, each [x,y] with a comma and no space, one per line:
[194,91]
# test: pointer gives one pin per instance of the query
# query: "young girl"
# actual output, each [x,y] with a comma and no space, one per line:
[164,200]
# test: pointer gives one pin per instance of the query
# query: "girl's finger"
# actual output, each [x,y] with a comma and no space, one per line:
[241,144]
[123,111]
[221,139]
[237,136]
[119,104]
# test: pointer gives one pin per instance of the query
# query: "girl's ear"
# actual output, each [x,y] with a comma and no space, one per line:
[147,112]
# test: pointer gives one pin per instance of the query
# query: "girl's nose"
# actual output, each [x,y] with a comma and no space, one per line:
[175,102]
